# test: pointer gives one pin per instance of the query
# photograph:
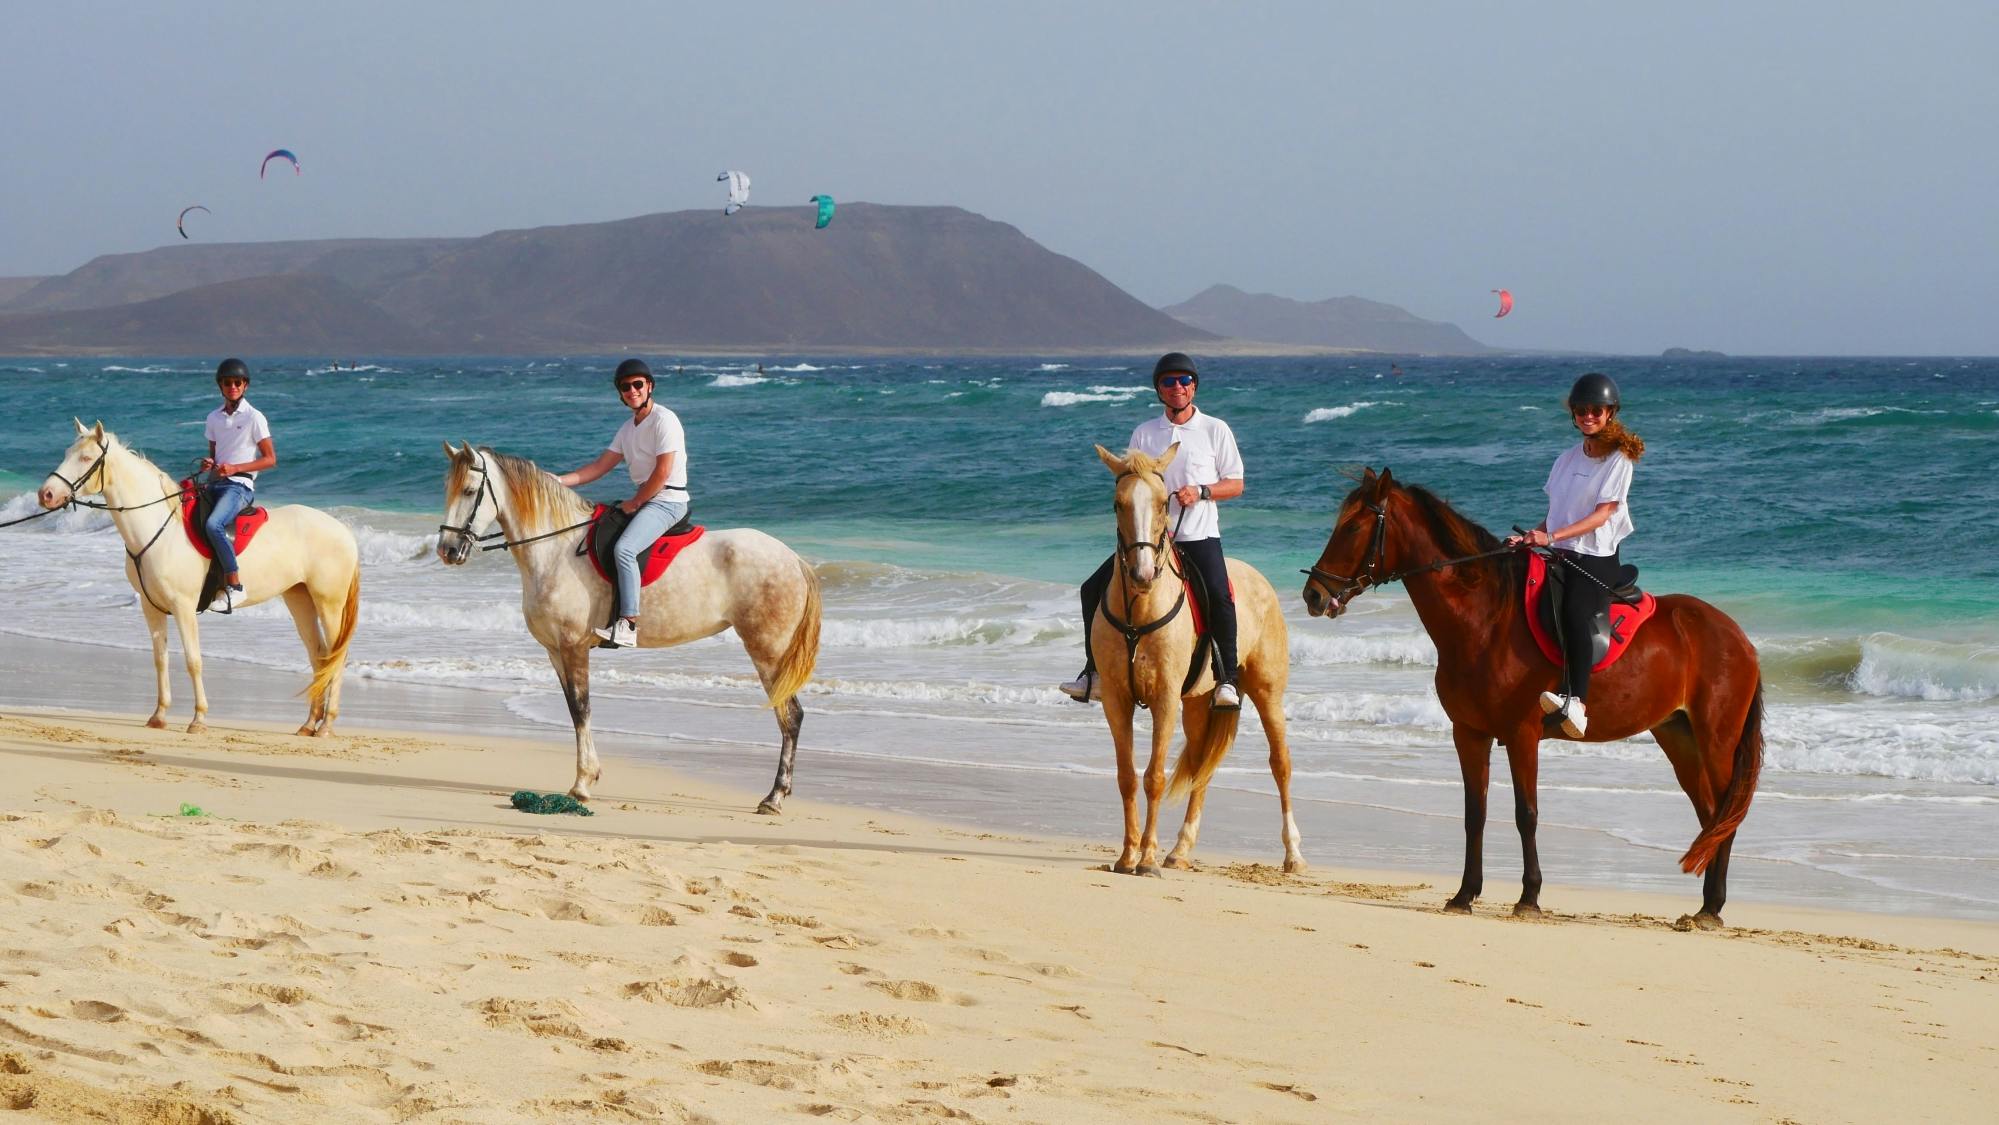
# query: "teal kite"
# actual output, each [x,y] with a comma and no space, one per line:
[825,203]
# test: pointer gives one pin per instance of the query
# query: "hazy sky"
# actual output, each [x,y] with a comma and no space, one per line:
[1754,177]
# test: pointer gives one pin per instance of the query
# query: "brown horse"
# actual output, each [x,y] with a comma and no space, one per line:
[1690,676]
[1142,641]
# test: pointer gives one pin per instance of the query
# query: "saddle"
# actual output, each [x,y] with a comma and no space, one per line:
[609,521]
[1611,632]
[195,504]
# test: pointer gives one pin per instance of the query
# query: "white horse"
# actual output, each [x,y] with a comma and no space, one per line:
[301,553]
[739,577]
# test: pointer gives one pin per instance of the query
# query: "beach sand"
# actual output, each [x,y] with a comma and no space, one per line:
[362,929]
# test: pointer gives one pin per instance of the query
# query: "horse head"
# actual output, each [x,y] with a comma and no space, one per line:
[471,506]
[81,472]
[1353,559]
[1141,511]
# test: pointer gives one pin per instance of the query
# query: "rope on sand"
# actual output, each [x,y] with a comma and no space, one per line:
[529,801]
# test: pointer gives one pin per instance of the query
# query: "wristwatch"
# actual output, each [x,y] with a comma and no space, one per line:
[1205,494]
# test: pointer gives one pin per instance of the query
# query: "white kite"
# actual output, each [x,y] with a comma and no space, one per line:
[739,190]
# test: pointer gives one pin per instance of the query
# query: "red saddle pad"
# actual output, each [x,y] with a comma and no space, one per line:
[654,562]
[1624,619]
[247,522]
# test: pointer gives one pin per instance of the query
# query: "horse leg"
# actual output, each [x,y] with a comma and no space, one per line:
[331,606]
[1165,717]
[1475,764]
[190,646]
[306,619]
[1194,717]
[156,627]
[572,670]
[1523,761]
[1117,712]
[790,717]
[1270,709]
[1682,745]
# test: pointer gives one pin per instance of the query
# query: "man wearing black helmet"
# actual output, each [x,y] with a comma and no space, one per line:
[239,447]
[654,450]
[1207,469]
[1588,517]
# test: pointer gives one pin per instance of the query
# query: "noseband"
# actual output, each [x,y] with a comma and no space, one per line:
[97,466]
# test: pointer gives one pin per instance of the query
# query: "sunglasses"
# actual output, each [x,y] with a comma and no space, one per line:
[233,383]
[1177,381]
[636,384]
[1588,411]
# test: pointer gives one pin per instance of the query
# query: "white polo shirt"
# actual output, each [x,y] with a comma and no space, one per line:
[642,445]
[1207,455]
[236,437]
[1576,485]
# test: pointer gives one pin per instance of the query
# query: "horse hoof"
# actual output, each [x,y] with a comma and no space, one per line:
[197,727]
[1527,910]
[1701,921]
[156,723]
[580,793]
[1122,867]
[305,731]
[1295,866]
[1148,871]
[1458,906]
[768,809]
[1178,863]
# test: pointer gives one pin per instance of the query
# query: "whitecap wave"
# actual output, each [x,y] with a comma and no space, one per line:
[1329,413]
[890,633]
[1413,647]
[1912,668]
[735,380]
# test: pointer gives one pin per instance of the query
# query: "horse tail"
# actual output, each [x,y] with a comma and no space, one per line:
[336,654]
[795,666]
[1735,798]
[1204,752]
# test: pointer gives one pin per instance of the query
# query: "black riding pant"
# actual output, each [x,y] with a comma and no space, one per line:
[1204,555]
[1582,600]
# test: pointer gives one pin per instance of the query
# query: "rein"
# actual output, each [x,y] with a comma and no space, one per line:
[485,491]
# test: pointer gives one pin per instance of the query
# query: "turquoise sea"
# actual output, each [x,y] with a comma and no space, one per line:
[1842,509]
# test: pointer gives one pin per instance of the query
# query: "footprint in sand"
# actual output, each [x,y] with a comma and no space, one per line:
[917,990]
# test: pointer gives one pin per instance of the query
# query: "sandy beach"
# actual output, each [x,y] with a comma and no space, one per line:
[363,929]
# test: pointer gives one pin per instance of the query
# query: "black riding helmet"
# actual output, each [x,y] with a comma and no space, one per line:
[232,368]
[632,367]
[1175,363]
[1594,389]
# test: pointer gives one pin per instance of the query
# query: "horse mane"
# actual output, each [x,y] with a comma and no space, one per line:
[1458,536]
[113,441]
[1139,461]
[539,500]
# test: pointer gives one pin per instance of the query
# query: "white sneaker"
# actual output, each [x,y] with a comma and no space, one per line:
[1551,702]
[1082,689]
[1227,698]
[1574,721]
[621,635]
[225,599]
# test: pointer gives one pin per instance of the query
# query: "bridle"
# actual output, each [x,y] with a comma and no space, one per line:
[1370,573]
[1133,633]
[485,492]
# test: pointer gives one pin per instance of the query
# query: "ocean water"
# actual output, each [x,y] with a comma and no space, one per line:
[1841,509]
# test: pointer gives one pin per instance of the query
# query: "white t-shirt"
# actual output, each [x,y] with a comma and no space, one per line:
[1576,485]
[641,446]
[1207,455]
[236,437]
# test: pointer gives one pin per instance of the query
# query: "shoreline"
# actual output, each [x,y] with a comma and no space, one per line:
[736,748]
[361,929]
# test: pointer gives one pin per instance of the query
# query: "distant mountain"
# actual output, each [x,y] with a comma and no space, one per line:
[288,314]
[880,278]
[364,264]
[1339,322]
[1691,353]
[12,287]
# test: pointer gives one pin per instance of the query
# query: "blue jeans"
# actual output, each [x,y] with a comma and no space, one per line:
[639,536]
[231,497]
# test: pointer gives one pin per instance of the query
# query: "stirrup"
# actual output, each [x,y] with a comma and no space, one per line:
[1083,689]
[1217,703]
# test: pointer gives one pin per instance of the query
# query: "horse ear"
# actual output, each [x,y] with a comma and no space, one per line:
[1367,477]
[450,452]
[1111,460]
[97,430]
[80,431]
[1166,458]
[1386,479]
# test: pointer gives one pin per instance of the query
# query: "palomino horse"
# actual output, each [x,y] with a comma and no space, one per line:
[739,577]
[301,553]
[1143,644]
[1689,676]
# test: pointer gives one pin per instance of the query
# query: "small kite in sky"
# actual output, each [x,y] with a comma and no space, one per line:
[1505,303]
[825,203]
[273,155]
[183,217]
[739,190]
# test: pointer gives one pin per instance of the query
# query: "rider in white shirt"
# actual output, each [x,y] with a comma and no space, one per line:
[1588,518]
[653,447]
[239,447]
[1208,469]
